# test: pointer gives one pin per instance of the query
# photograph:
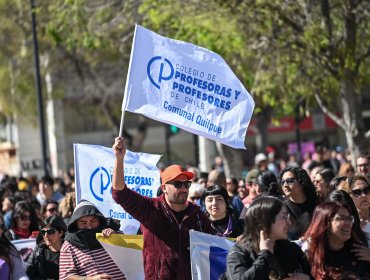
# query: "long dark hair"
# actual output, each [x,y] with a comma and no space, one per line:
[6,247]
[260,215]
[305,181]
[19,209]
[267,183]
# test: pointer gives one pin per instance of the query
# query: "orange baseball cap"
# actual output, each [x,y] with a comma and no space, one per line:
[172,171]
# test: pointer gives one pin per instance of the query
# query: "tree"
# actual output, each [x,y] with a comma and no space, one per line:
[312,49]
[85,43]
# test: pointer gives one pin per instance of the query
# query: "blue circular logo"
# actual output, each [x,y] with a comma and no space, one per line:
[100,181]
[165,68]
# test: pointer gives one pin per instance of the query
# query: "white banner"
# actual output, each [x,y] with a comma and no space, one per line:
[208,255]
[94,169]
[25,247]
[188,86]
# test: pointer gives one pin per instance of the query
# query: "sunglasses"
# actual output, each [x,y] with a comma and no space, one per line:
[363,165]
[49,231]
[195,198]
[179,184]
[359,192]
[52,209]
[289,181]
[25,218]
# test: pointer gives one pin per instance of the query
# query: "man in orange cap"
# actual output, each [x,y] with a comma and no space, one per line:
[165,220]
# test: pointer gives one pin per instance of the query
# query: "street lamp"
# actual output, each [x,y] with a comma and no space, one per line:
[39,90]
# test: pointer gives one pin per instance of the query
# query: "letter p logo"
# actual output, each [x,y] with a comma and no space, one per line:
[163,72]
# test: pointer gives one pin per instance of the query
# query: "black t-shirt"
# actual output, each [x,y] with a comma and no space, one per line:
[345,264]
[51,264]
[301,214]
[228,227]
[179,215]
[221,225]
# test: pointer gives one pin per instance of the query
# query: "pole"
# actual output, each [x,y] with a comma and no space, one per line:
[196,150]
[167,143]
[39,90]
[120,134]
[298,131]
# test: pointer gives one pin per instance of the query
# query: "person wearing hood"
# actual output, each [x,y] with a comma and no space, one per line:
[82,256]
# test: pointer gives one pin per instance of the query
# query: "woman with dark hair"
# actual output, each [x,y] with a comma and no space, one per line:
[11,265]
[267,184]
[301,199]
[23,221]
[264,251]
[338,182]
[332,241]
[360,192]
[50,208]
[216,202]
[322,183]
[44,261]
[232,186]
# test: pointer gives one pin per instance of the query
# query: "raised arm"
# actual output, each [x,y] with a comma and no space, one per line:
[119,150]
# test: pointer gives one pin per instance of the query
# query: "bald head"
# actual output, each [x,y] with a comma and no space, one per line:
[216,177]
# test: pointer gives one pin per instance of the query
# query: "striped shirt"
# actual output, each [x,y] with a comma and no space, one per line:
[74,261]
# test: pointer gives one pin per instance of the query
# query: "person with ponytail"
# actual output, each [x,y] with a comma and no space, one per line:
[267,184]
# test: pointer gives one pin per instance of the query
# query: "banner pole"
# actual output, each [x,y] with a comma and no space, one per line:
[121,125]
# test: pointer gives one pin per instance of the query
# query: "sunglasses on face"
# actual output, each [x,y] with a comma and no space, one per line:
[195,198]
[49,231]
[289,181]
[363,165]
[25,218]
[179,184]
[52,209]
[359,192]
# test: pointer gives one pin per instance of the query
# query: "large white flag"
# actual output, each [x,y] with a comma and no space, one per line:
[94,169]
[208,255]
[188,86]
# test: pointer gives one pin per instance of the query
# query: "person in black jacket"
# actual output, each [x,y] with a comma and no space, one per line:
[264,251]
[44,261]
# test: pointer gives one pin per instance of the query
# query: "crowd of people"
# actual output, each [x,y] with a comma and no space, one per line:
[289,220]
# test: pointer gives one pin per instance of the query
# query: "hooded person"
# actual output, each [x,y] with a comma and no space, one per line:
[82,255]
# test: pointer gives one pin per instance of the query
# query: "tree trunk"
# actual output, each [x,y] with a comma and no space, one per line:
[352,117]
[262,122]
[350,100]
[232,159]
